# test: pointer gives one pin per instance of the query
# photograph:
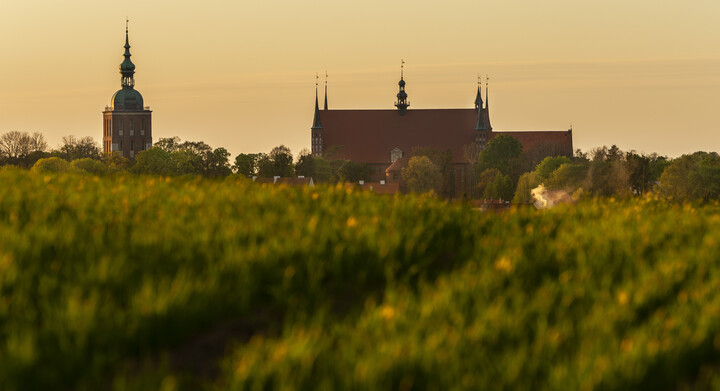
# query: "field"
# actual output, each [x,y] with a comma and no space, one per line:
[145,283]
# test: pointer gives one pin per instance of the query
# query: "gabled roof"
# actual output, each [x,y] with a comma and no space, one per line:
[398,165]
[369,135]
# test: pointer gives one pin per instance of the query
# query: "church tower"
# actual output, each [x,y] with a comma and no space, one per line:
[402,102]
[127,123]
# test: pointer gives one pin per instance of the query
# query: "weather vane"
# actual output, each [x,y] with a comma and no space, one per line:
[317,78]
[326,76]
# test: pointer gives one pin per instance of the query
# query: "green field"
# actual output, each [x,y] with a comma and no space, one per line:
[144,283]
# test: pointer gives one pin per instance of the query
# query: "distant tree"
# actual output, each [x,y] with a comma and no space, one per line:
[168,144]
[693,177]
[77,148]
[493,184]
[351,171]
[526,183]
[607,175]
[569,177]
[89,166]
[187,162]
[115,161]
[156,161]
[246,164]
[217,163]
[421,175]
[503,153]
[443,161]
[282,160]
[548,165]
[51,164]
[21,148]
[279,162]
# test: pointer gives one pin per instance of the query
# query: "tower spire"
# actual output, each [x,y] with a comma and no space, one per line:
[316,119]
[326,76]
[478,98]
[127,68]
[487,104]
[402,102]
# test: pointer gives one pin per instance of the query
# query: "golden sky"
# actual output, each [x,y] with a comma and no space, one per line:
[642,74]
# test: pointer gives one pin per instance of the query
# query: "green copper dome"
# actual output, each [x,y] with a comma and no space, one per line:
[127,99]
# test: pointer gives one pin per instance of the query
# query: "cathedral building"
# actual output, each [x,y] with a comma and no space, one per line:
[127,123]
[385,139]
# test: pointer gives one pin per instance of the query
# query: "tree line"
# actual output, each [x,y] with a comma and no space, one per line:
[501,170]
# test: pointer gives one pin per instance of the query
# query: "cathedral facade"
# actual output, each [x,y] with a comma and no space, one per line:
[127,123]
[385,139]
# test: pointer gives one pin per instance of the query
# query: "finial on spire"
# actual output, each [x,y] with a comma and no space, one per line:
[326,77]
[402,67]
[127,22]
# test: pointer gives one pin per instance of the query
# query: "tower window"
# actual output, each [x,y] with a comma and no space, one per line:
[132,127]
[120,126]
[132,144]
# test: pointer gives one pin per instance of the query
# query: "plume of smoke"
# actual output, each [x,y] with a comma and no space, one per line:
[545,198]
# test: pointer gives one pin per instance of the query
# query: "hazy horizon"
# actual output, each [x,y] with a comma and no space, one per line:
[242,76]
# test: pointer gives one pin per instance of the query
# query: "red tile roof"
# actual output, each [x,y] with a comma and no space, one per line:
[369,135]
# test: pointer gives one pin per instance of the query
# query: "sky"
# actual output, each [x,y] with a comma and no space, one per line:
[641,74]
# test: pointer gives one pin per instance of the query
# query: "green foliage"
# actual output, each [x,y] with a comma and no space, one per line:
[156,161]
[569,177]
[350,171]
[90,166]
[50,164]
[246,164]
[132,282]
[279,162]
[494,185]
[693,177]
[422,176]
[549,165]
[73,148]
[318,168]
[115,162]
[502,153]
[526,183]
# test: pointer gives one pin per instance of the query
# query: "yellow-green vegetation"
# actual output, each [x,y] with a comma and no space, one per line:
[131,282]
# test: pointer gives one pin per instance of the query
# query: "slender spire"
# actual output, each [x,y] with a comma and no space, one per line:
[127,68]
[478,98]
[487,104]
[316,119]
[402,102]
[326,76]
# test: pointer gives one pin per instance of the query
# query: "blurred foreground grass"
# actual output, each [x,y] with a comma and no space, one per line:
[147,283]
